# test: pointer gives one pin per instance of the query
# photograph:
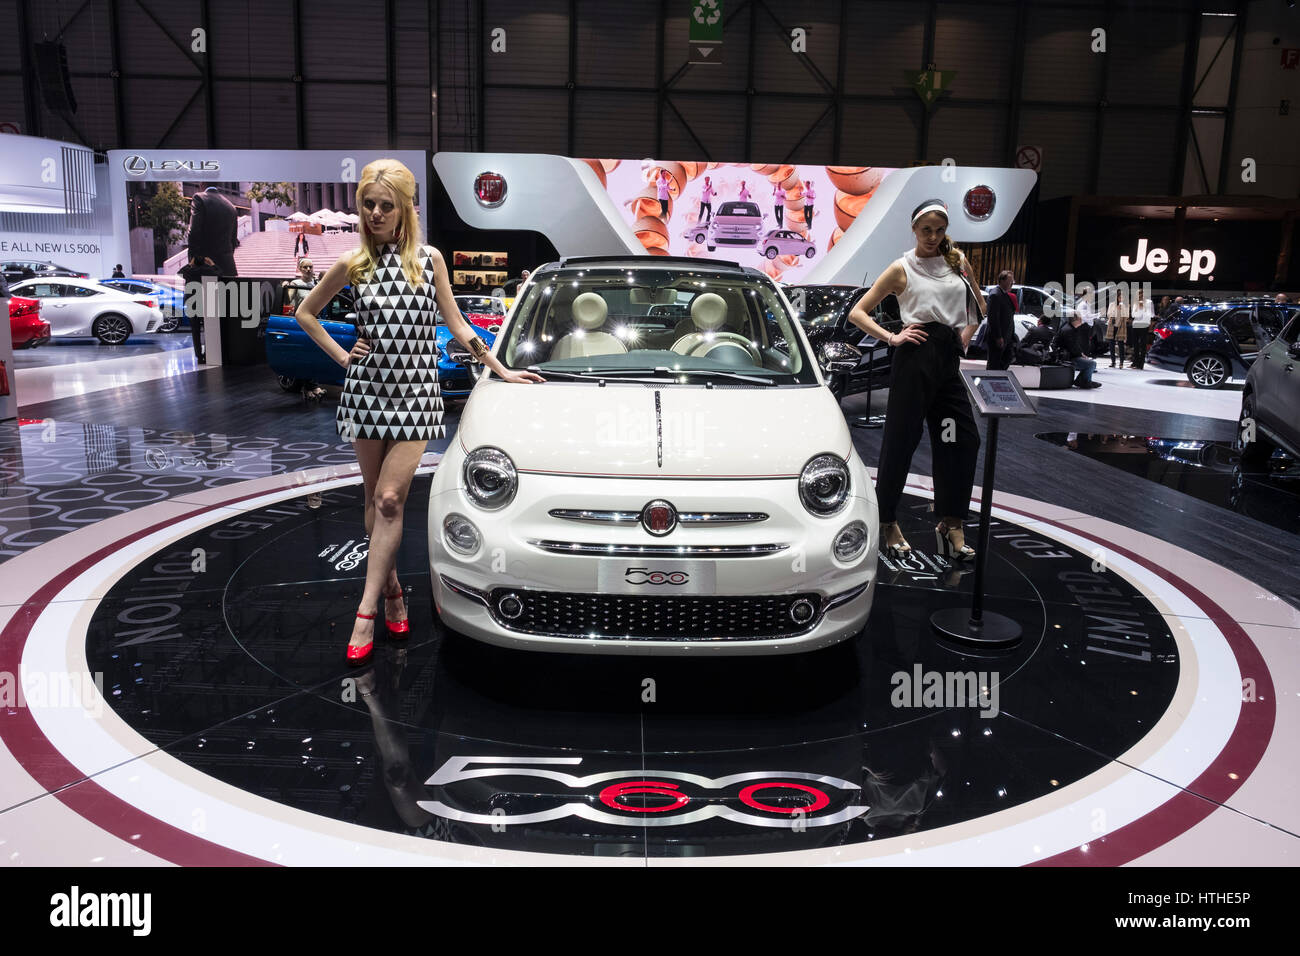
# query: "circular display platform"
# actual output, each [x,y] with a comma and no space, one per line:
[219,628]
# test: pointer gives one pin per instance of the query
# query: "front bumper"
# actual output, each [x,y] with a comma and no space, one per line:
[794,599]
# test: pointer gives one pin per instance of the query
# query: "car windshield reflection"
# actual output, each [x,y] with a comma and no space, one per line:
[659,322]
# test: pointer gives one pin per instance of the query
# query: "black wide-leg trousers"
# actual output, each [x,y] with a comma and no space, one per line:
[925,388]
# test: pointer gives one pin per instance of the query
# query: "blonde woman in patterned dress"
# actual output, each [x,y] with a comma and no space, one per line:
[390,406]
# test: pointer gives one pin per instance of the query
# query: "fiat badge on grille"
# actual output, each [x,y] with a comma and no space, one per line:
[659,517]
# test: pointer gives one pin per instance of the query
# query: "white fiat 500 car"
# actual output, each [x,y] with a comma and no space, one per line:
[678,485]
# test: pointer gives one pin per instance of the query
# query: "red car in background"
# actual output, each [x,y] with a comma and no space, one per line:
[26,327]
[485,311]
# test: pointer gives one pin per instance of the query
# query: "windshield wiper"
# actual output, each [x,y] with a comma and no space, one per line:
[719,373]
[659,370]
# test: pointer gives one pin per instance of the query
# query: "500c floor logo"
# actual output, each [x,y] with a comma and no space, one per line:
[644,798]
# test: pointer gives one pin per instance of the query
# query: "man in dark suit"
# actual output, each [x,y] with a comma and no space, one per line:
[1000,338]
[213,227]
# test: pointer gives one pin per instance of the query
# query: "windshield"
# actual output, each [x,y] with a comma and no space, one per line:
[628,320]
[738,209]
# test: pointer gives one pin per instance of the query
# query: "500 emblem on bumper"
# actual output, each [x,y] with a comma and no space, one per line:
[676,577]
[641,798]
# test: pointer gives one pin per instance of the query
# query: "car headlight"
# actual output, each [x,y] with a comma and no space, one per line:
[851,541]
[460,534]
[824,484]
[490,479]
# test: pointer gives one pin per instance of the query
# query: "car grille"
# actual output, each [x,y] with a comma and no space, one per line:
[637,617]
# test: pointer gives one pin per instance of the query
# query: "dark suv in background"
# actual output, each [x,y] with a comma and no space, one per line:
[1271,398]
[823,311]
[1212,342]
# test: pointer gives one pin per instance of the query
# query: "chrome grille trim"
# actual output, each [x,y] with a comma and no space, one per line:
[658,550]
[695,518]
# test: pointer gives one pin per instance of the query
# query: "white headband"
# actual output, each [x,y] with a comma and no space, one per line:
[935,206]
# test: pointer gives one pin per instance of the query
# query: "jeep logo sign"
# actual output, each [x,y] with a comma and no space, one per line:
[136,165]
[1195,262]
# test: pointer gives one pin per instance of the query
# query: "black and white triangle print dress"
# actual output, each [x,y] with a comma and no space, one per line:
[392,393]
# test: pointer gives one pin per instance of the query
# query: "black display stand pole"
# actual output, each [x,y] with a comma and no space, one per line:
[978,627]
[869,420]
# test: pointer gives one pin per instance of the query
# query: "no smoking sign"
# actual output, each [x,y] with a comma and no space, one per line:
[1029,157]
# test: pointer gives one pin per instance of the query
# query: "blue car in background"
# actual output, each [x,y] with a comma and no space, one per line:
[170,301]
[1211,342]
[296,359]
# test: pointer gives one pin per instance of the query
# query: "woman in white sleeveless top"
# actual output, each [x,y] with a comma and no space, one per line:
[932,283]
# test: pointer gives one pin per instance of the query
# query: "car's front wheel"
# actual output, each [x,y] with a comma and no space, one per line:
[1207,371]
[112,329]
[699,237]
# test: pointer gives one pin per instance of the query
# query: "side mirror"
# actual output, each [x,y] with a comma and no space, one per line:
[836,357]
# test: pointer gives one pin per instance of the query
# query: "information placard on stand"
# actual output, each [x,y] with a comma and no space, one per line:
[997,395]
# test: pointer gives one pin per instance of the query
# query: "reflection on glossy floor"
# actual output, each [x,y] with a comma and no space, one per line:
[226,691]
[65,369]
[1208,470]
[198,587]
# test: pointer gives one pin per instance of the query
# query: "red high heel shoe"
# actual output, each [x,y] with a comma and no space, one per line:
[400,630]
[360,654]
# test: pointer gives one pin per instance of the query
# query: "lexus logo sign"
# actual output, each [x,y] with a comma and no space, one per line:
[979,202]
[137,165]
[490,189]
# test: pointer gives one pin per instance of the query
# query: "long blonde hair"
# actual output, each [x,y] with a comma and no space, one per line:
[394,175]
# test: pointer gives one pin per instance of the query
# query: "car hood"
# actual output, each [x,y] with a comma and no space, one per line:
[581,429]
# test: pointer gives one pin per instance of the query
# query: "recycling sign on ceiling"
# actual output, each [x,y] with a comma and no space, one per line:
[705,31]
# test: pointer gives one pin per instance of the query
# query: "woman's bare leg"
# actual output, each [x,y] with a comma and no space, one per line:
[387,507]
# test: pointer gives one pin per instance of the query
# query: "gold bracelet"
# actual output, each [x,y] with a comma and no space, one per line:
[477,348]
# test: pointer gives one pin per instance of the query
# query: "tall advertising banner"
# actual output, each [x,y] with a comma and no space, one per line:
[805,224]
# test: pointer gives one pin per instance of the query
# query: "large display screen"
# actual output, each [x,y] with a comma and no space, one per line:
[776,217]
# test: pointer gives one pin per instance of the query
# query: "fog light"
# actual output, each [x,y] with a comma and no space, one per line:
[802,611]
[851,541]
[460,534]
[510,606]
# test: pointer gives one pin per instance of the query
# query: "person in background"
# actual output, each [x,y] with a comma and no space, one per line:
[1117,319]
[117,272]
[663,192]
[706,200]
[295,290]
[744,191]
[1142,316]
[809,197]
[1073,342]
[778,204]
[1000,334]
[214,231]
[300,244]
[4,286]
[1280,299]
